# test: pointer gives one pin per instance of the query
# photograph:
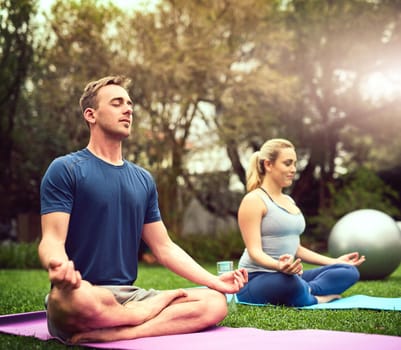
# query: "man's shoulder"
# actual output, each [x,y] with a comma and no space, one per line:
[72,157]
[137,168]
[67,162]
[140,173]
[82,154]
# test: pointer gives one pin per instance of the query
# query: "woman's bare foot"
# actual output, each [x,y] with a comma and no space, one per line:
[326,298]
[149,308]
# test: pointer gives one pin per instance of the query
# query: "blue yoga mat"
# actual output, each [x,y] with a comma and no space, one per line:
[352,302]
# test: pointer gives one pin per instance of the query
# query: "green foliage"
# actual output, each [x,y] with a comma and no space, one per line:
[19,255]
[362,189]
[208,248]
[208,184]
[16,52]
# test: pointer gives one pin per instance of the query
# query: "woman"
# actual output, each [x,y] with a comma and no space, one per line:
[271,225]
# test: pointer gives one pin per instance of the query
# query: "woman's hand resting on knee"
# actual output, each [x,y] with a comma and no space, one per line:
[288,265]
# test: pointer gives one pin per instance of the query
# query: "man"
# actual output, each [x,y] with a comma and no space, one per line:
[95,208]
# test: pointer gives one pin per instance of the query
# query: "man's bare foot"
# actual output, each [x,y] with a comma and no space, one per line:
[326,298]
[149,308]
[142,311]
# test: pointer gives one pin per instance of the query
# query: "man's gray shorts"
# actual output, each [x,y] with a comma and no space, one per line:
[123,295]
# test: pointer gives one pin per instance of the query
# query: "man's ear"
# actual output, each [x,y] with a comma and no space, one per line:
[89,115]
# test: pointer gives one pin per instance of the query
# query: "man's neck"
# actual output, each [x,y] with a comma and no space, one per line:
[110,152]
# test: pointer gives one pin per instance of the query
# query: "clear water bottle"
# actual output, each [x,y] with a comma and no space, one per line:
[224,266]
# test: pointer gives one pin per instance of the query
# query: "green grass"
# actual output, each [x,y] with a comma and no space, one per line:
[24,290]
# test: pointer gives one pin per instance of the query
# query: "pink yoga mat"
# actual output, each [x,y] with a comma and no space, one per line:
[219,338]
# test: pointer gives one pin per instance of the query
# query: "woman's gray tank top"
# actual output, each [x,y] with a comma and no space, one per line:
[280,233]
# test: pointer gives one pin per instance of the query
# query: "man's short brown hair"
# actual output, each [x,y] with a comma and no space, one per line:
[89,96]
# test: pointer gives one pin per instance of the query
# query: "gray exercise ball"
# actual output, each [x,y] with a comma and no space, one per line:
[372,233]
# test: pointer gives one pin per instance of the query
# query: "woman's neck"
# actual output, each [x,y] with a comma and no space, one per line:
[271,188]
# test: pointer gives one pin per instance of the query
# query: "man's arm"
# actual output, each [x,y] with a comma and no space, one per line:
[52,252]
[177,260]
[54,233]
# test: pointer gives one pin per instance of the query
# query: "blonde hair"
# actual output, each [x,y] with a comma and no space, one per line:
[269,151]
[89,96]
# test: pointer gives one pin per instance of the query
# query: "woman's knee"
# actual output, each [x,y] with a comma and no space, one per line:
[353,273]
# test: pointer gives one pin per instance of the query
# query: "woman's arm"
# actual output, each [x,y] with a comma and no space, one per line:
[312,257]
[250,214]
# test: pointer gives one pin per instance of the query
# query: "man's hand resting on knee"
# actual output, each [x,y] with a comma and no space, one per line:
[63,275]
[231,282]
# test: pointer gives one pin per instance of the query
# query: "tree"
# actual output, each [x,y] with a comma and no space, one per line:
[16,51]
[328,52]
[71,46]
[80,36]
[338,45]
[184,56]
[223,74]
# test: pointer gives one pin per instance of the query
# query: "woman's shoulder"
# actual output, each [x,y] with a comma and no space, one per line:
[259,195]
[254,199]
[253,195]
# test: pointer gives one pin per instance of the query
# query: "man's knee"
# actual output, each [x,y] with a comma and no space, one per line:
[86,302]
[77,310]
[216,307]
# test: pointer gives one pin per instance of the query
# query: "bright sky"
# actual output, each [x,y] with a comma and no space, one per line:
[380,85]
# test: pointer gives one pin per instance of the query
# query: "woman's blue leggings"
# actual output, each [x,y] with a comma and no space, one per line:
[293,290]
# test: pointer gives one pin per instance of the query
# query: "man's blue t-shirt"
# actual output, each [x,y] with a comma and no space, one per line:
[108,206]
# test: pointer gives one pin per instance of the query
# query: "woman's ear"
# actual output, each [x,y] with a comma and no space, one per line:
[267,164]
[89,115]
